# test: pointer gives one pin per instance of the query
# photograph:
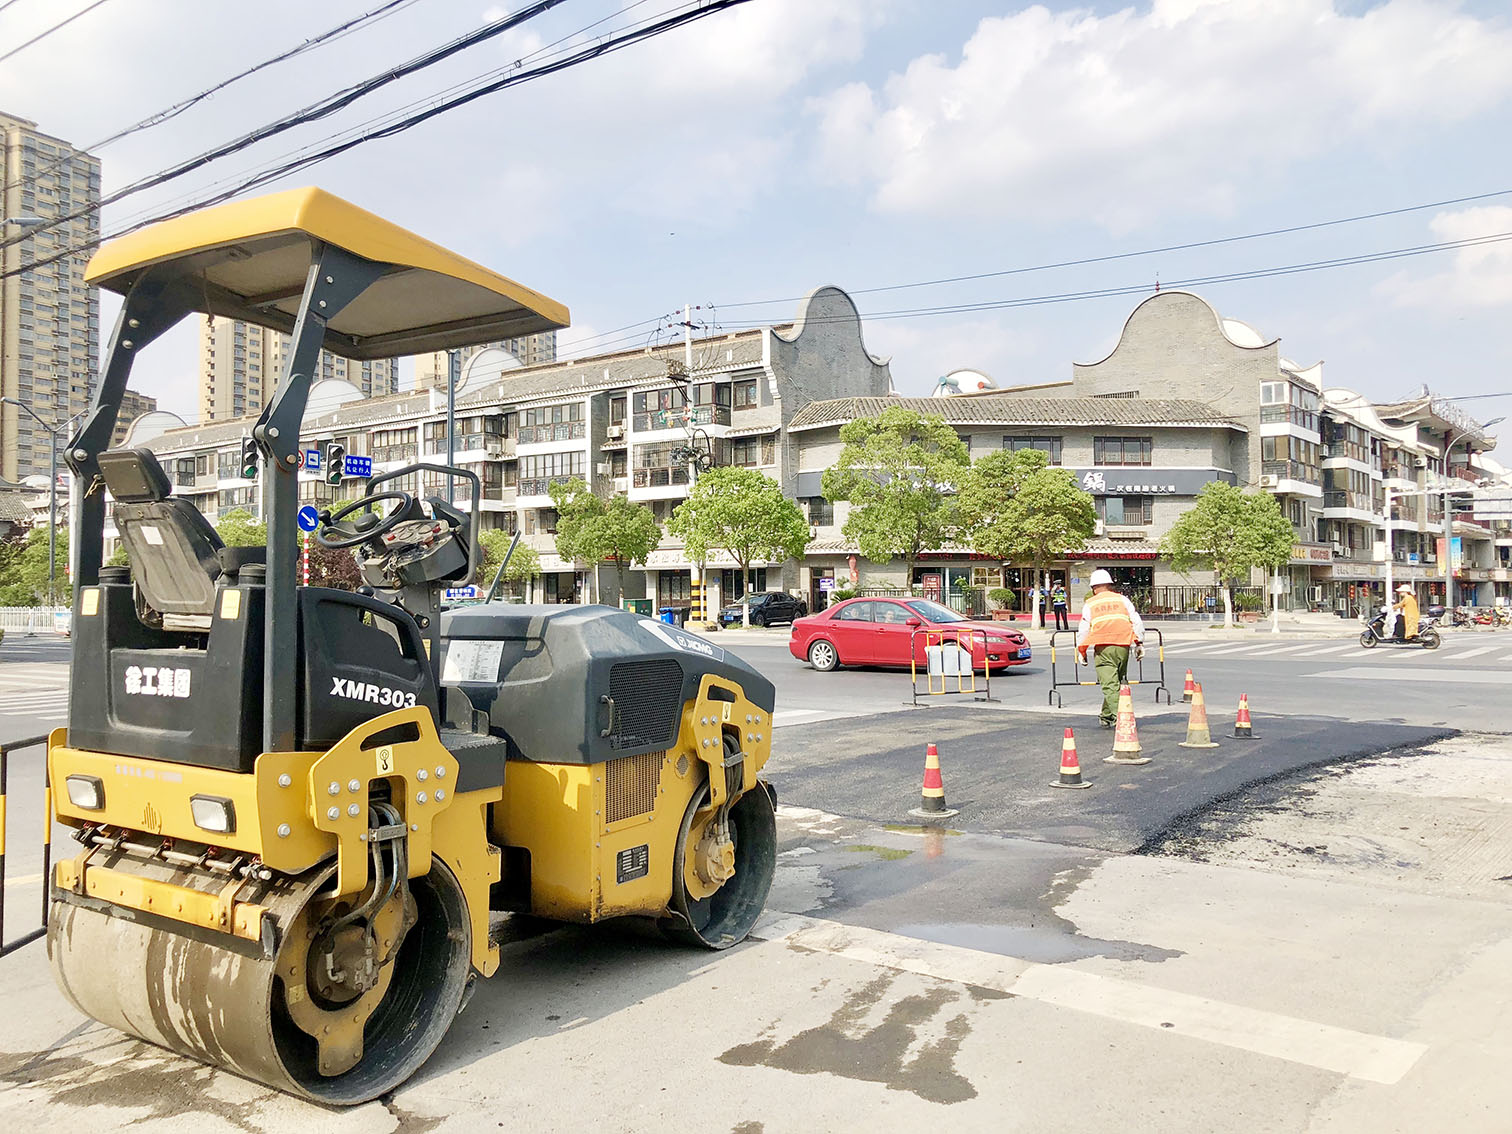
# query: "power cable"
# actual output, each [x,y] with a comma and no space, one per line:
[597,49]
[1133,289]
[7,4]
[1155,251]
[159,117]
[315,111]
[59,26]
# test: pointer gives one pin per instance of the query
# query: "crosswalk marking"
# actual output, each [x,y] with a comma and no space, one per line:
[1475,653]
[1451,676]
[46,704]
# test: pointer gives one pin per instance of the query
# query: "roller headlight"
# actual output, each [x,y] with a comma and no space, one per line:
[213,813]
[86,792]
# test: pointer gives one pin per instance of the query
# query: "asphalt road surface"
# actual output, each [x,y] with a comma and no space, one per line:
[1296,933]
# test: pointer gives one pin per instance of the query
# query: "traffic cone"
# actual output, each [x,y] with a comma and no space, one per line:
[1198,734]
[1187,687]
[1070,774]
[932,805]
[1243,729]
[1126,749]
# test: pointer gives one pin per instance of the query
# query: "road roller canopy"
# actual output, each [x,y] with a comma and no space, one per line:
[250,260]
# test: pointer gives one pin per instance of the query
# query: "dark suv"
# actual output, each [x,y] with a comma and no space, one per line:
[767,607]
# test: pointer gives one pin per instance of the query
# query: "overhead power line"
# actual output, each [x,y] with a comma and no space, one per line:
[159,117]
[1135,289]
[1111,257]
[315,111]
[40,36]
[598,48]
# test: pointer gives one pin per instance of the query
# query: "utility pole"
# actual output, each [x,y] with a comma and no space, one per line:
[1449,510]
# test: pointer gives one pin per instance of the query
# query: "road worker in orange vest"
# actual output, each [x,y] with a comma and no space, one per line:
[1110,628]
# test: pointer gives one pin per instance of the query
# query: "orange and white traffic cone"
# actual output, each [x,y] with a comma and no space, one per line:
[1070,773]
[932,804]
[1243,728]
[1187,687]
[1126,749]
[1198,733]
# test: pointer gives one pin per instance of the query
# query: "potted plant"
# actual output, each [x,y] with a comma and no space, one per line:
[1003,602]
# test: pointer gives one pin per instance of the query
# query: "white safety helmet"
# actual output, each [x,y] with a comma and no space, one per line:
[1101,578]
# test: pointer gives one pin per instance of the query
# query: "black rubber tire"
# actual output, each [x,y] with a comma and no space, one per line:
[823,656]
[725,917]
[758,620]
[1430,639]
[1368,640]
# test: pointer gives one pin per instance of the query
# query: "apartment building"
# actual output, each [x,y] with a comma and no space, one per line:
[431,369]
[240,363]
[613,420]
[49,321]
[1143,460]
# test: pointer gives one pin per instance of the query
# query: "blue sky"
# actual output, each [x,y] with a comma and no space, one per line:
[786,144]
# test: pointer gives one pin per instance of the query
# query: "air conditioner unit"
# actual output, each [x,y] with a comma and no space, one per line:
[1099,528]
[615,433]
[1420,462]
[1338,549]
[1269,480]
[602,468]
[494,452]
[1314,594]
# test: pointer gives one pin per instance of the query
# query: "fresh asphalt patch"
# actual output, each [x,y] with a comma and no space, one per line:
[998,766]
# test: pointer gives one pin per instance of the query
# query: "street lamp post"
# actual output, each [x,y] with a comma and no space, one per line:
[52,488]
[1449,511]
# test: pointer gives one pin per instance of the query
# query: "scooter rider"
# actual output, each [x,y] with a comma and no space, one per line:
[1406,608]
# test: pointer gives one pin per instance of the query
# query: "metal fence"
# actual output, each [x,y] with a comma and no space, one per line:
[24,621]
[1195,601]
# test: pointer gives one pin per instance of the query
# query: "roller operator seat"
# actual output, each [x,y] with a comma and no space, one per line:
[176,556]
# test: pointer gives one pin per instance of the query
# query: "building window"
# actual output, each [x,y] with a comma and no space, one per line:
[821,513]
[1122,450]
[746,395]
[673,588]
[1125,511]
[618,463]
[617,410]
[1050,446]
[538,472]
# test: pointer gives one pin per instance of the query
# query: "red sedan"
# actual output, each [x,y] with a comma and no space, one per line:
[877,631]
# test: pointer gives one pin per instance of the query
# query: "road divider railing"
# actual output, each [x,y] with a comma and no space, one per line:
[1085,674]
[949,664]
[5,750]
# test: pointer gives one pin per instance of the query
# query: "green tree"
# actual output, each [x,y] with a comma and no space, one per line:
[524,564]
[23,570]
[1229,532]
[592,528]
[899,471]
[1015,507]
[743,512]
[238,528]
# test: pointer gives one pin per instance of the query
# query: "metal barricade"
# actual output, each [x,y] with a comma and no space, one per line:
[1137,670]
[5,750]
[946,658]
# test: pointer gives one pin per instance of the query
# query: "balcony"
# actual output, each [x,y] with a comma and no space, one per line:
[541,485]
[492,445]
[384,454]
[555,431]
[660,478]
[677,418]
[1291,415]
[1292,470]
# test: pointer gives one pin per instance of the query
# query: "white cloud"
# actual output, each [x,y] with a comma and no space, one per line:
[1478,276]
[1120,116]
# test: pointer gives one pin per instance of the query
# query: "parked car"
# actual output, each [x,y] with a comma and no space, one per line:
[767,607]
[881,632]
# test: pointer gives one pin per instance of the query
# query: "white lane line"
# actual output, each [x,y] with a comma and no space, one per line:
[1360,1055]
[1396,673]
[1474,653]
[783,717]
[1349,647]
[24,880]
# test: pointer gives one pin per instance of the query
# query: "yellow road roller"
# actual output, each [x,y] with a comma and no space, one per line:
[299,808]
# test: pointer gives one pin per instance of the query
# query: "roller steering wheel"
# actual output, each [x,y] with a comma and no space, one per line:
[396,516]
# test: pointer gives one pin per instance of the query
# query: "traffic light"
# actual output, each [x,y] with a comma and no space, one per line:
[335,459]
[248,457]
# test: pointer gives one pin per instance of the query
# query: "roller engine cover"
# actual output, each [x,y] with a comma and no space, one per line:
[582,684]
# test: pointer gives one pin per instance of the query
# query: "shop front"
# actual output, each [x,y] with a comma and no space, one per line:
[1133,572]
[1310,567]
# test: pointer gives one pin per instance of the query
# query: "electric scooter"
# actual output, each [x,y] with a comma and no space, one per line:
[1375,634]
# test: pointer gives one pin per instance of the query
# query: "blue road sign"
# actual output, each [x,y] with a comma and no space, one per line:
[454,594]
[357,466]
[308,518]
[312,459]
